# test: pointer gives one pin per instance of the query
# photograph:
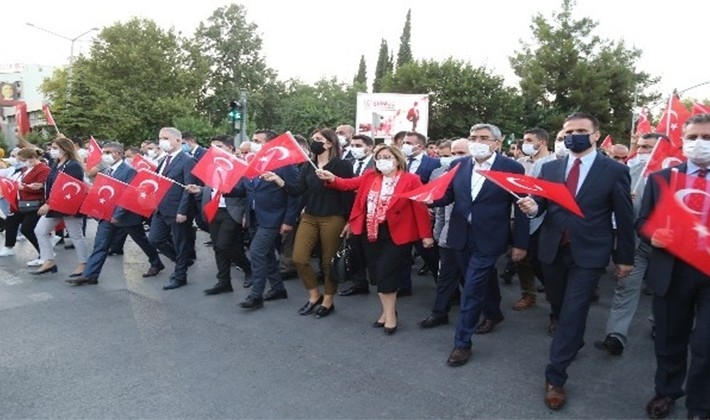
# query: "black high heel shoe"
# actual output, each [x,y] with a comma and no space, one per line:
[378,324]
[52,269]
[390,331]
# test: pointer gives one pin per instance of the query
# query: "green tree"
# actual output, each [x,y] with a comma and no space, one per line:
[360,80]
[233,49]
[137,79]
[460,95]
[404,54]
[567,68]
[383,67]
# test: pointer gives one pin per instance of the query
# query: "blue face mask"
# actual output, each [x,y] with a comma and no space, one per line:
[186,148]
[577,143]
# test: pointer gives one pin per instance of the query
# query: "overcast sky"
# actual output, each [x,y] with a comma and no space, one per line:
[309,39]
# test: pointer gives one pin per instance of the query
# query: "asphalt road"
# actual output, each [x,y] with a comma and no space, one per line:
[127,349]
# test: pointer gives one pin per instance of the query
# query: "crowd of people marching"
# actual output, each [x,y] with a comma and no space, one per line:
[275,219]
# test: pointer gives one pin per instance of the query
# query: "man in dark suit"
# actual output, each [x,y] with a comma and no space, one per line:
[480,232]
[270,213]
[169,226]
[193,148]
[345,134]
[121,221]
[681,293]
[575,251]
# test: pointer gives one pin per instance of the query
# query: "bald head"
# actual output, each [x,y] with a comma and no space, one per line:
[459,147]
[619,152]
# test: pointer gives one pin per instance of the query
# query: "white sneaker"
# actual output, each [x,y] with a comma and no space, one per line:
[6,252]
[21,237]
[55,239]
[35,263]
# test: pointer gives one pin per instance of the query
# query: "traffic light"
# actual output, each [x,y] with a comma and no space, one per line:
[235,111]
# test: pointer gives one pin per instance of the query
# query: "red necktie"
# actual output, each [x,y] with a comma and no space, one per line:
[571,183]
[697,201]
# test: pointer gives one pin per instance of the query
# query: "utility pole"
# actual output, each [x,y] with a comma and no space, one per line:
[243,121]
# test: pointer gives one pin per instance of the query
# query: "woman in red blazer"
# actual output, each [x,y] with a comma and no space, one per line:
[387,224]
[33,174]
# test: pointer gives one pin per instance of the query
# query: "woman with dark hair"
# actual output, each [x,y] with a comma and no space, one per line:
[387,224]
[323,220]
[65,159]
[32,174]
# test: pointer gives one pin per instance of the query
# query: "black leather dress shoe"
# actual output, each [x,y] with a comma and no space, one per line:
[610,344]
[112,253]
[423,271]
[78,281]
[153,271]
[174,285]
[487,325]
[434,321]
[459,356]
[221,287]
[323,312]
[404,292]
[659,407]
[274,294]
[252,303]
[351,291]
[309,307]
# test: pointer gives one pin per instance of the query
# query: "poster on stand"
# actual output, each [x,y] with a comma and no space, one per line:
[382,115]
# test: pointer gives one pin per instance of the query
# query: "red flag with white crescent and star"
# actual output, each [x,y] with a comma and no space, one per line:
[664,155]
[48,115]
[139,162]
[607,143]
[523,184]
[211,207]
[144,193]
[8,188]
[700,109]
[672,120]
[67,194]
[219,169]
[93,157]
[277,153]
[687,236]
[433,190]
[100,202]
[643,126]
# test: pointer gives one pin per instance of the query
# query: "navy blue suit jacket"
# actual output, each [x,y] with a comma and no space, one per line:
[490,212]
[178,200]
[71,168]
[605,190]
[272,206]
[426,167]
[125,173]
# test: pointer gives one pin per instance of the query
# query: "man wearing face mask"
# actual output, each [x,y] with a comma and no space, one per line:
[628,290]
[577,249]
[345,134]
[153,152]
[170,224]
[121,221]
[191,146]
[480,232]
[681,300]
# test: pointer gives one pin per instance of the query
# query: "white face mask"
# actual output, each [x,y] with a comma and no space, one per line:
[529,149]
[55,153]
[342,140]
[642,158]
[560,149]
[357,152]
[446,161]
[83,153]
[108,159]
[385,165]
[166,145]
[129,162]
[151,153]
[407,149]
[12,161]
[479,150]
[697,151]
[255,147]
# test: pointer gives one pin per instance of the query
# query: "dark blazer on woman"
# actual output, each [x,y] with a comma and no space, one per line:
[71,168]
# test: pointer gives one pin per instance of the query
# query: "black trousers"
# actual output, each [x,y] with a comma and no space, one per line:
[22,222]
[228,243]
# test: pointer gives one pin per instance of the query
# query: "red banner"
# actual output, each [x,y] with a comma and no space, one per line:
[94,154]
[48,115]
[22,120]
[67,194]
[100,202]
[433,190]
[144,193]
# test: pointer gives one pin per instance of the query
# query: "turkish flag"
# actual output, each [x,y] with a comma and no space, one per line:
[211,207]
[523,184]
[94,156]
[67,194]
[664,155]
[103,195]
[700,109]
[144,193]
[690,238]
[219,169]
[21,119]
[607,143]
[139,162]
[48,115]
[8,188]
[433,190]
[672,119]
[279,152]
[643,126]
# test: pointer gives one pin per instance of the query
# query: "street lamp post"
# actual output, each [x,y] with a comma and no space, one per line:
[71,54]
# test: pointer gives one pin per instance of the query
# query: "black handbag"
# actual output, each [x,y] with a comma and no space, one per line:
[28,206]
[343,264]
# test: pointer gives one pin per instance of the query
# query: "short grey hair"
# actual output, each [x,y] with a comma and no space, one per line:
[490,127]
[174,132]
[697,119]
[114,145]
